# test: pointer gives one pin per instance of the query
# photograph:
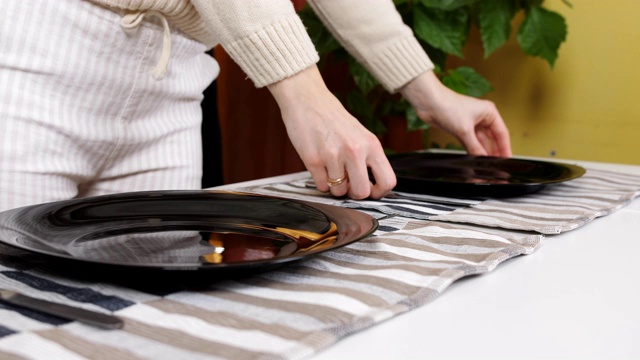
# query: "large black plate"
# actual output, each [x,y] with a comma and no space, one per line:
[183,230]
[462,175]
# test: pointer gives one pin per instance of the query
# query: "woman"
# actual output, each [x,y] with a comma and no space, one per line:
[103,96]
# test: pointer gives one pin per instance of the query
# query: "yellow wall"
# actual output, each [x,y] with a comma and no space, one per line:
[588,106]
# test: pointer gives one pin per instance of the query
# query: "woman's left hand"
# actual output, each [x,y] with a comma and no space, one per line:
[476,123]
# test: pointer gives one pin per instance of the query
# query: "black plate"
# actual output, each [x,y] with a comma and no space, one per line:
[461,175]
[183,230]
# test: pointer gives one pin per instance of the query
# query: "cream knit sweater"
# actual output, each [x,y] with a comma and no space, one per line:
[269,42]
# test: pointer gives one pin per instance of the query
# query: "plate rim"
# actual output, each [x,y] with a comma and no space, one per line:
[575,170]
[240,265]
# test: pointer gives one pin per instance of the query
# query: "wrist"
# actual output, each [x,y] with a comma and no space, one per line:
[426,84]
[298,86]
[424,93]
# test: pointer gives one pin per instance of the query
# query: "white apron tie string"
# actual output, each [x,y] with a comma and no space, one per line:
[134,19]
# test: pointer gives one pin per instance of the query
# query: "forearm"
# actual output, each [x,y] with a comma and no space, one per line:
[475,122]
[304,87]
[425,93]
[374,33]
[265,37]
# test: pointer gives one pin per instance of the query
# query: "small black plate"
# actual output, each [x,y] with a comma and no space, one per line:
[183,230]
[461,175]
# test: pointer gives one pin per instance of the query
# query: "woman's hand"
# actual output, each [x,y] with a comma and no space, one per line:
[332,144]
[474,122]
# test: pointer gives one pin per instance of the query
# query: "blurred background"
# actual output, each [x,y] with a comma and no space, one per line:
[585,108]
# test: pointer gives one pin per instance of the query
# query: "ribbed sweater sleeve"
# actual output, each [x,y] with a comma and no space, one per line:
[374,33]
[265,37]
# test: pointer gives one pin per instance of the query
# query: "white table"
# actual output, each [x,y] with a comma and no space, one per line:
[577,297]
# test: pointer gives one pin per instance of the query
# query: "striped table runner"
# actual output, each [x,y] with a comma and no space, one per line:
[297,310]
[553,210]
[396,204]
[291,312]
[556,209]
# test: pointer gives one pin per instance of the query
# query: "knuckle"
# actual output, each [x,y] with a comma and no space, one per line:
[383,188]
[330,153]
[385,184]
[467,132]
[391,184]
[338,192]
[313,161]
[489,103]
[373,140]
[359,194]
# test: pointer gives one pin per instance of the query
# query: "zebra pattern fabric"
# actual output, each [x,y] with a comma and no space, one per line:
[555,209]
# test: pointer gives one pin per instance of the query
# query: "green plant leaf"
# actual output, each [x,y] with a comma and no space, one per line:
[465,80]
[494,19]
[399,106]
[437,56]
[453,146]
[425,138]
[447,4]
[541,33]
[413,121]
[444,30]
[526,4]
[320,36]
[385,107]
[363,79]
[358,104]
[454,81]
[361,108]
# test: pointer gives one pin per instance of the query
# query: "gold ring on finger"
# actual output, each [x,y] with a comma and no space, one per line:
[335,182]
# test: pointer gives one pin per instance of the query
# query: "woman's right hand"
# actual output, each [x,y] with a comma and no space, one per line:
[330,141]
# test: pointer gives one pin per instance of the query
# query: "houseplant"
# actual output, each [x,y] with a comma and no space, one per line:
[442,28]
